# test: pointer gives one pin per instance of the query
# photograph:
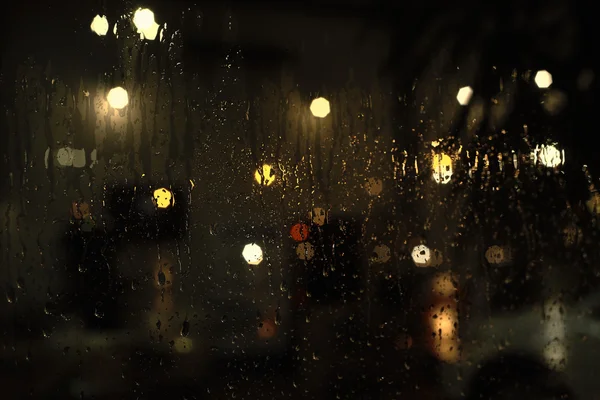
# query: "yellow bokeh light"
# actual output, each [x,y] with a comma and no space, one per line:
[543,79]
[143,19]
[442,168]
[118,98]
[267,177]
[320,107]
[163,198]
[99,25]
[464,95]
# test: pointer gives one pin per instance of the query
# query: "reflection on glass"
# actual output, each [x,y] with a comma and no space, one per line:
[555,351]
[374,186]
[320,107]
[443,318]
[305,251]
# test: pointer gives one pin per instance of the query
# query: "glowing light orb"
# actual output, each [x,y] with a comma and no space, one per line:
[442,168]
[163,198]
[548,155]
[543,79]
[118,98]
[267,177]
[143,19]
[464,95]
[421,255]
[99,25]
[320,107]
[253,254]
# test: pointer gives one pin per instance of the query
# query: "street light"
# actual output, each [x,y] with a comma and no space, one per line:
[143,19]
[320,107]
[543,79]
[464,95]
[99,25]
[118,98]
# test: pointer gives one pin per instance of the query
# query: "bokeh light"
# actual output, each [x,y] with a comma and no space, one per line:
[267,177]
[543,79]
[320,107]
[253,254]
[464,95]
[118,98]
[99,25]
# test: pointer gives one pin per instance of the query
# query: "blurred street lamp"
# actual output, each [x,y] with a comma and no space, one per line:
[464,95]
[253,254]
[143,19]
[320,107]
[548,155]
[543,79]
[99,25]
[118,98]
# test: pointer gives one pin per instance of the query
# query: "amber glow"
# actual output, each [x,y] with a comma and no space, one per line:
[320,107]
[117,98]
[267,329]
[163,198]
[265,175]
[442,168]
[305,251]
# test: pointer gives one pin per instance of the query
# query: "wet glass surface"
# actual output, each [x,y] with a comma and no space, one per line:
[367,200]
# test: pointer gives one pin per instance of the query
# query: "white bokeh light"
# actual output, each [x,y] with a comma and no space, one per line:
[118,98]
[548,155]
[543,79]
[464,95]
[143,18]
[99,25]
[320,107]
[421,255]
[253,254]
